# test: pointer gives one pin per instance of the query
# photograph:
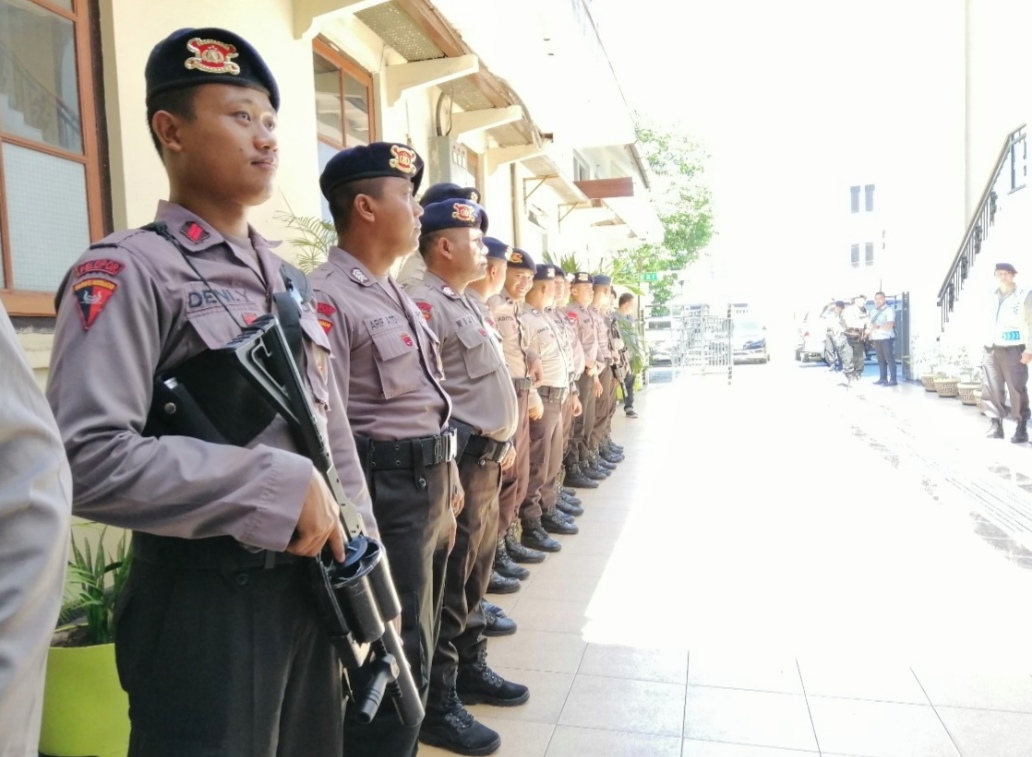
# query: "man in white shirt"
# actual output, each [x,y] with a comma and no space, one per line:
[1005,365]
[882,331]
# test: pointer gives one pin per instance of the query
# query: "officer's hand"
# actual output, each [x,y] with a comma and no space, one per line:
[1026,358]
[577,407]
[510,459]
[535,412]
[598,387]
[458,500]
[319,523]
[453,532]
[537,374]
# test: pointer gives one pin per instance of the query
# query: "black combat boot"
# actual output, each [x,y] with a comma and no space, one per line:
[535,537]
[612,453]
[995,429]
[613,445]
[592,471]
[478,684]
[570,499]
[449,725]
[608,461]
[520,553]
[575,476]
[566,489]
[1021,435]
[599,467]
[504,566]
[565,506]
[553,523]
[499,584]
[498,623]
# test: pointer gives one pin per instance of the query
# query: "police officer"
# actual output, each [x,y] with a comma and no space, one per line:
[608,451]
[398,410]
[579,467]
[509,550]
[855,319]
[477,380]
[412,269]
[220,645]
[1006,360]
[509,312]
[566,501]
[607,397]
[35,510]
[546,432]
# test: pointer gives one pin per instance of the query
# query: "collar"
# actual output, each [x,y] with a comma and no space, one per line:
[351,267]
[432,279]
[195,234]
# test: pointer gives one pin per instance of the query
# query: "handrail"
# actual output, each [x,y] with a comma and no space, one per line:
[65,115]
[977,230]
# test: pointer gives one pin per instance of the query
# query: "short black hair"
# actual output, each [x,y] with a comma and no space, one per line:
[178,102]
[428,240]
[342,199]
[625,298]
[881,293]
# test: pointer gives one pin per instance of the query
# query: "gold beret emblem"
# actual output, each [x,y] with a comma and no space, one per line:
[404,159]
[212,56]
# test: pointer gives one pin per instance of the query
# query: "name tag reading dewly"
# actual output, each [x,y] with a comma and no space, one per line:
[1010,336]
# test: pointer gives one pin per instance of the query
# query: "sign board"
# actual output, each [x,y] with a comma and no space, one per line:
[652,276]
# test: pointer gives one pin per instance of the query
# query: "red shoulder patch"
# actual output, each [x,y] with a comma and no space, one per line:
[425,308]
[100,265]
[194,232]
[93,295]
[325,311]
[571,314]
[407,339]
[323,308]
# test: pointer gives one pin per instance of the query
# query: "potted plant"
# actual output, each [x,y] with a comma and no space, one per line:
[929,361]
[970,380]
[947,374]
[85,710]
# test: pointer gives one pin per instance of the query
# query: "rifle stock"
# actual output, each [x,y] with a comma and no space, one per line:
[357,597]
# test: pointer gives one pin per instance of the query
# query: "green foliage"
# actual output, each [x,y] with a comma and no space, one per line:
[92,587]
[634,341]
[315,238]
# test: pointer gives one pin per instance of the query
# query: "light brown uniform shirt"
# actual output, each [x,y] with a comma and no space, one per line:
[516,338]
[555,363]
[568,324]
[134,307]
[387,358]
[475,375]
[586,331]
[605,348]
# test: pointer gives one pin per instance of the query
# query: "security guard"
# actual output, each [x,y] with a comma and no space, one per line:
[509,550]
[412,269]
[509,312]
[35,510]
[397,407]
[477,380]
[546,432]
[579,468]
[1006,360]
[220,645]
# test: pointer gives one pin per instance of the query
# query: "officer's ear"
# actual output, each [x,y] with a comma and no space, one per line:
[167,130]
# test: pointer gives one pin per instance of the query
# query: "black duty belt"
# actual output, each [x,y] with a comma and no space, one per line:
[407,453]
[552,393]
[217,553]
[522,384]
[486,449]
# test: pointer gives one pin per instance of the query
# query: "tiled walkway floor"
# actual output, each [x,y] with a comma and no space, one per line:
[754,581]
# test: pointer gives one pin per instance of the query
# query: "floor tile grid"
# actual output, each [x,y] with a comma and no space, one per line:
[809,710]
[937,713]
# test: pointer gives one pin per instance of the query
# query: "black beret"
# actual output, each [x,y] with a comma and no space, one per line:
[601,280]
[497,249]
[521,259]
[447,191]
[582,277]
[544,272]
[191,57]
[372,161]
[559,273]
[453,214]
[840,304]
[1006,267]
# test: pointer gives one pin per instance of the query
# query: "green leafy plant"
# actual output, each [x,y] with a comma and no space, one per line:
[95,581]
[315,238]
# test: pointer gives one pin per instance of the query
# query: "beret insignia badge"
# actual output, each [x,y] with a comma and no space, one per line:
[404,159]
[212,56]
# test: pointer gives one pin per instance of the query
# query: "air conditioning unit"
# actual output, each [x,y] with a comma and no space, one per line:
[451,162]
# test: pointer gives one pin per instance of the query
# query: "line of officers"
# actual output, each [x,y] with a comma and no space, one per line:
[455,407]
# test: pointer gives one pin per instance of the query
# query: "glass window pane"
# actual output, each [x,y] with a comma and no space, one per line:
[39,83]
[325,153]
[329,120]
[44,243]
[356,112]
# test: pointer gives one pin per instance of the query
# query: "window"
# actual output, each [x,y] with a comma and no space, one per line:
[580,170]
[854,199]
[869,198]
[343,105]
[854,255]
[49,149]
[869,254]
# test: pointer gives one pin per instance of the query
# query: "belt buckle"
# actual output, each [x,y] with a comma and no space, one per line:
[448,445]
[506,446]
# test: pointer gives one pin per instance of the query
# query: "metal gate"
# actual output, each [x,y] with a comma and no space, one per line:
[707,344]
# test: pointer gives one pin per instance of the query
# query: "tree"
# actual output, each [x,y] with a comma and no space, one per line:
[683,203]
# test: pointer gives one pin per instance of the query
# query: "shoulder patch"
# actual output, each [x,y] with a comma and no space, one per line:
[324,311]
[449,292]
[92,295]
[100,265]
[425,308]
[194,232]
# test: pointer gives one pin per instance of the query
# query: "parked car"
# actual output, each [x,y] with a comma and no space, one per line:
[749,342]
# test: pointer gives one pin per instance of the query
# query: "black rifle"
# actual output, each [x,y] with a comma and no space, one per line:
[357,597]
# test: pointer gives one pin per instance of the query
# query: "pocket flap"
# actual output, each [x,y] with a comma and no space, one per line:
[394,343]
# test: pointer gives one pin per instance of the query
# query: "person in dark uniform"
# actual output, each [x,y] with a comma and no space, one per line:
[477,380]
[413,267]
[219,643]
[390,380]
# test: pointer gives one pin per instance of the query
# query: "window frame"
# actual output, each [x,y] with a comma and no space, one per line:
[854,255]
[329,52]
[854,199]
[19,302]
[868,198]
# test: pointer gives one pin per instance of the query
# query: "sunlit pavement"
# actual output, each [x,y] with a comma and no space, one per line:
[781,564]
